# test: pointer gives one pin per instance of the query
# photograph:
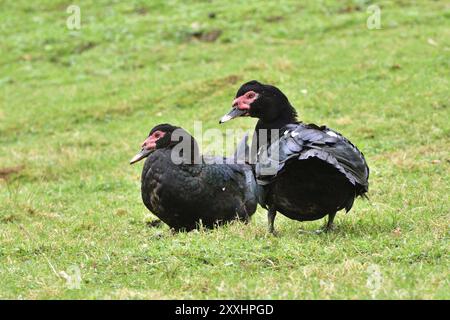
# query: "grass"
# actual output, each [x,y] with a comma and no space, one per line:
[74,106]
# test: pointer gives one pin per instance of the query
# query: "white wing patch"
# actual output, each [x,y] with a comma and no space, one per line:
[331,133]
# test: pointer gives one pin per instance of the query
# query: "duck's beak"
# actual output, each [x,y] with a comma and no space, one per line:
[141,155]
[234,113]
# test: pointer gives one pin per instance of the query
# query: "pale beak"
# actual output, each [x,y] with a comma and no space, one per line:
[234,113]
[141,155]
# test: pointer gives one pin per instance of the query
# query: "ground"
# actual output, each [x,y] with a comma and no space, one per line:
[76,104]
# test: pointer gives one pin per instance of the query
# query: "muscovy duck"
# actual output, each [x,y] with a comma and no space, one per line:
[307,171]
[185,189]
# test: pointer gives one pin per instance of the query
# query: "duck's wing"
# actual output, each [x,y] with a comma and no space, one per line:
[303,141]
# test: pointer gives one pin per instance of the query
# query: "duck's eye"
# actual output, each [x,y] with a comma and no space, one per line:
[251,95]
[157,135]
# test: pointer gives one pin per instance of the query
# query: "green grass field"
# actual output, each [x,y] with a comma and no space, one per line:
[75,106]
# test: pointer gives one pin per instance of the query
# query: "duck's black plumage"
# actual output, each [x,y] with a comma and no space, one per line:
[186,194]
[318,172]
[310,171]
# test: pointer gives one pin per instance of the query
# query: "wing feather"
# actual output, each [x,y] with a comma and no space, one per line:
[304,141]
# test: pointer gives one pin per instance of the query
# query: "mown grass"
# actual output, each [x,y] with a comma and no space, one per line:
[76,104]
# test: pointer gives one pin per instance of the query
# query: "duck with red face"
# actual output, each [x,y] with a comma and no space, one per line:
[318,171]
[156,135]
[192,192]
[241,106]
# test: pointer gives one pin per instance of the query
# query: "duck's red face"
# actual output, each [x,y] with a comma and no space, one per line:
[262,101]
[150,142]
[241,106]
[149,145]
[243,102]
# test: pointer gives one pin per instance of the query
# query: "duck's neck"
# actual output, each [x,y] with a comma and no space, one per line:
[268,131]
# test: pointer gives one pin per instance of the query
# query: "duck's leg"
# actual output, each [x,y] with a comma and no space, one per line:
[271,213]
[329,226]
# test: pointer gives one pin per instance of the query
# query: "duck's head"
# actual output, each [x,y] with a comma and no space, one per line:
[263,101]
[159,137]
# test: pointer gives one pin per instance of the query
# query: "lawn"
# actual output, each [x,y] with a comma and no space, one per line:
[76,104]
